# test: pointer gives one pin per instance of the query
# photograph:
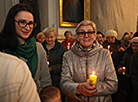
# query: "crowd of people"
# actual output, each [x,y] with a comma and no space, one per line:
[36,67]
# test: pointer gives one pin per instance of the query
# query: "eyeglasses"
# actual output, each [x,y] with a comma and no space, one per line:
[82,34]
[23,24]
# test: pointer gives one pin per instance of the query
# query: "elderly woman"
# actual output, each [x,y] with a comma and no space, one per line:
[115,46]
[55,51]
[88,55]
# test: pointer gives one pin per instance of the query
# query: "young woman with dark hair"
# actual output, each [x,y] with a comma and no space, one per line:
[17,38]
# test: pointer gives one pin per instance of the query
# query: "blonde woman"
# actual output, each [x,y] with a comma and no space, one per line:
[88,55]
[55,51]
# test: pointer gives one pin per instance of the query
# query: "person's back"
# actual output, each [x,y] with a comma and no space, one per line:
[16,83]
[50,94]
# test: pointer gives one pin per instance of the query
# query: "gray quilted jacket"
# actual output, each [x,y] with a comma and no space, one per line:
[75,71]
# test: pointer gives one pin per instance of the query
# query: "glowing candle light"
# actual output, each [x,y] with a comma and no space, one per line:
[108,47]
[92,79]
[68,46]
[123,69]
[48,63]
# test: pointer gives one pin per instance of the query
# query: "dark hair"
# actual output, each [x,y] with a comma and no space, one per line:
[67,32]
[8,35]
[98,32]
[135,34]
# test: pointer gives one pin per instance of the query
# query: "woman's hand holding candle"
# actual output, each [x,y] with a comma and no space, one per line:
[123,70]
[85,89]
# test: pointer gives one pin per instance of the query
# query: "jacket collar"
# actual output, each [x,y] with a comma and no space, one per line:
[95,49]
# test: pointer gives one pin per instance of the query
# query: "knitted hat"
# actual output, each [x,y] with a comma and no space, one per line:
[111,33]
[135,39]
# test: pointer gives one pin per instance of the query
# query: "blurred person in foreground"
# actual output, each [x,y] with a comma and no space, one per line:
[88,55]
[16,82]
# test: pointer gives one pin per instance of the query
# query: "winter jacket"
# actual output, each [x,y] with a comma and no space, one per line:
[74,72]
[116,55]
[126,60]
[134,77]
[55,61]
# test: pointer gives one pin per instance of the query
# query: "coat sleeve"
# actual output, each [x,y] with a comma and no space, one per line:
[28,90]
[123,62]
[45,74]
[110,83]
[134,72]
[42,78]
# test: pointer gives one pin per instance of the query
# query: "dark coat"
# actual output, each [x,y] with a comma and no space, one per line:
[55,61]
[134,77]
[116,55]
[126,60]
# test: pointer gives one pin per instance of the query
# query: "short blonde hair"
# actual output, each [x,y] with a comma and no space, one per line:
[85,23]
[49,30]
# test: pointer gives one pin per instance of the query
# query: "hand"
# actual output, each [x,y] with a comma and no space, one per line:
[85,89]
[50,69]
[121,49]
[120,70]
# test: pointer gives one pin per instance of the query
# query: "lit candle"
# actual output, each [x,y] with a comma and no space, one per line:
[68,46]
[92,79]
[48,63]
[108,47]
[123,69]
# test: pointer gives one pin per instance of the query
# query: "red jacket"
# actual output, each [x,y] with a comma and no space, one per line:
[68,44]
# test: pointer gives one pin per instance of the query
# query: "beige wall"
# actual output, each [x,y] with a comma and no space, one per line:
[120,15]
[5,5]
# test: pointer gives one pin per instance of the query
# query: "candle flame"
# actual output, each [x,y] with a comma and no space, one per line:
[93,73]
[123,68]
[108,46]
